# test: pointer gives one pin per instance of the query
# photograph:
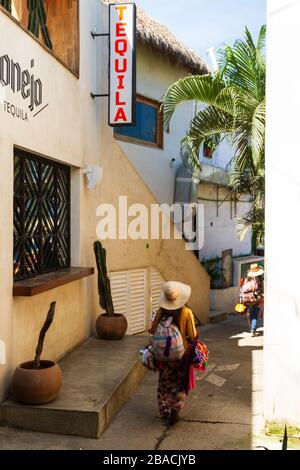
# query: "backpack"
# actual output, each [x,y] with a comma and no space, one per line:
[249,291]
[167,341]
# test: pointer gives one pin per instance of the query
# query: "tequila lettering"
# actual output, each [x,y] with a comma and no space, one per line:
[121,46]
[21,81]
[122,89]
[15,111]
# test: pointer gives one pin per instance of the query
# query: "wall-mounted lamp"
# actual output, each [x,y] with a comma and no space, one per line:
[93,174]
[172,162]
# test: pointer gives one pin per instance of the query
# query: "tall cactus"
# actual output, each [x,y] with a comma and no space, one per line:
[37,20]
[6,4]
[104,289]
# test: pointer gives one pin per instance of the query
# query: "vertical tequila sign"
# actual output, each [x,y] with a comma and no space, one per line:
[122,67]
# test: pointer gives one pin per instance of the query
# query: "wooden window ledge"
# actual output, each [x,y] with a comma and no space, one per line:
[45,282]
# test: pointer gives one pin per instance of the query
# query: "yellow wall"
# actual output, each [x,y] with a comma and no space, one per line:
[169,256]
[73,129]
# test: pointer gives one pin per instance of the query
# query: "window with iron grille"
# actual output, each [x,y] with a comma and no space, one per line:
[41,215]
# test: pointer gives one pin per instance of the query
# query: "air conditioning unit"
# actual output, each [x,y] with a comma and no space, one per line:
[242,265]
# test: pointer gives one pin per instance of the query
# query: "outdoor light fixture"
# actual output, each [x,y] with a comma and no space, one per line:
[93,174]
[172,162]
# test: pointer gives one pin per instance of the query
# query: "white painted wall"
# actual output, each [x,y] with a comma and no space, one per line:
[282,312]
[154,76]
[221,157]
[220,225]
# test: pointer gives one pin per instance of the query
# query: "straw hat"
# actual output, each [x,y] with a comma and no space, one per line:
[255,270]
[174,295]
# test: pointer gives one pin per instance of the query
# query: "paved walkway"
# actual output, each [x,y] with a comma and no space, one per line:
[224,412]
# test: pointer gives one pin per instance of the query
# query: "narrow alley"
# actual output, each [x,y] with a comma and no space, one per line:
[224,412]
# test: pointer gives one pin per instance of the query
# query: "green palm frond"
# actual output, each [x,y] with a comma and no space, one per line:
[244,65]
[188,154]
[253,220]
[233,105]
[209,122]
[202,88]
[258,132]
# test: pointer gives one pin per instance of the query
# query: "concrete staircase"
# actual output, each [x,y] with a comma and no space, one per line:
[98,378]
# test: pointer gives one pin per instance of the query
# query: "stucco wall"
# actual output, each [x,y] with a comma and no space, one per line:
[147,160]
[67,130]
[220,223]
[169,256]
[73,129]
[221,156]
[282,311]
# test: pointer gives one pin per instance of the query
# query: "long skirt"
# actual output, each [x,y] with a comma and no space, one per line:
[170,393]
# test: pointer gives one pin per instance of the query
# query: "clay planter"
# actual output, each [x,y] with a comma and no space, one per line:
[111,327]
[36,386]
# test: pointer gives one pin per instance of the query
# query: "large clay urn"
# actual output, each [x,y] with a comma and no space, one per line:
[36,386]
[111,327]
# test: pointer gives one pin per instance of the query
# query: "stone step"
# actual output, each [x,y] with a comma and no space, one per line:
[98,378]
[216,316]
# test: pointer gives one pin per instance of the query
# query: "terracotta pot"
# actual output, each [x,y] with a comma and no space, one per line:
[36,387]
[111,327]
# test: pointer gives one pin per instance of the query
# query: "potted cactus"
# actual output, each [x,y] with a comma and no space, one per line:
[38,382]
[109,325]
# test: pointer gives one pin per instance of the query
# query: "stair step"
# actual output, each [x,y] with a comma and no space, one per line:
[98,378]
[216,316]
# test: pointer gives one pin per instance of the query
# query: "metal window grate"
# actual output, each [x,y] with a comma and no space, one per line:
[41,215]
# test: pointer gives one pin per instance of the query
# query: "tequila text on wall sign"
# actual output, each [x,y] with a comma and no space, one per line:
[122,81]
[21,81]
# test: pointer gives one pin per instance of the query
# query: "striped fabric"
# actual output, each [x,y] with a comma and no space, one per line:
[167,341]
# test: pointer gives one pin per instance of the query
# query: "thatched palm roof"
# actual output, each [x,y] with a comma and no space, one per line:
[152,34]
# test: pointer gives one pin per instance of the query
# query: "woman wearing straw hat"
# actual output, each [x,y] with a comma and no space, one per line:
[171,390]
[252,294]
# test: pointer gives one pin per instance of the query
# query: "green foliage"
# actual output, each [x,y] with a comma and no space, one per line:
[212,142]
[6,4]
[253,184]
[104,289]
[37,20]
[215,271]
[234,108]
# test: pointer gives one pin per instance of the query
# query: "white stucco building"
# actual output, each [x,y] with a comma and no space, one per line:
[222,206]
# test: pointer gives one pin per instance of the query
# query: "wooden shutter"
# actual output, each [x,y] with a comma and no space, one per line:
[128,290]
[118,283]
[137,300]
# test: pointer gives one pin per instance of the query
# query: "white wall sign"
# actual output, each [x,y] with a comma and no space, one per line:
[122,54]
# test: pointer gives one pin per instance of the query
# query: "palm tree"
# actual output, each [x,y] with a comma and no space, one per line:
[234,99]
